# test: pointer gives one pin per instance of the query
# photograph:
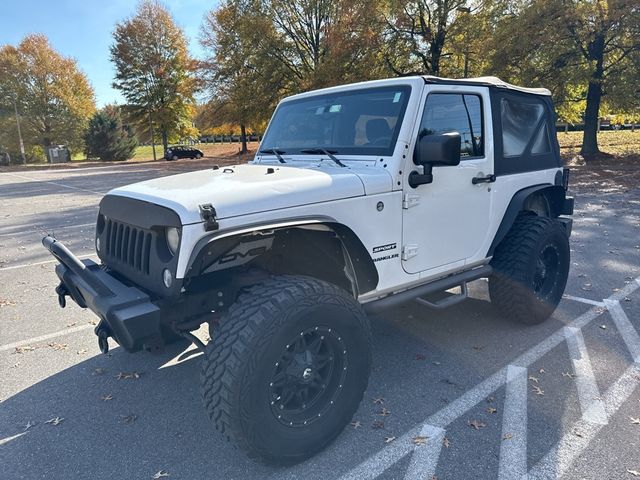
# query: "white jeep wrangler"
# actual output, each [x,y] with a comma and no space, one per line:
[361,197]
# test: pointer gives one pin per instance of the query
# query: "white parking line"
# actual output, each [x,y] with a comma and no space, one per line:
[39,231]
[588,301]
[377,463]
[42,338]
[513,449]
[425,457]
[55,183]
[588,393]
[555,463]
[628,333]
[44,262]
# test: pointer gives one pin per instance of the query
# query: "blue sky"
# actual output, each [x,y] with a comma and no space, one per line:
[82,29]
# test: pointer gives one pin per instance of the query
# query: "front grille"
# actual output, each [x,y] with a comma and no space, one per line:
[128,245]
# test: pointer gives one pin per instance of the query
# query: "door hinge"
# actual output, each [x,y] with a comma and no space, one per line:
[410,200]
[409,251]
[208,214]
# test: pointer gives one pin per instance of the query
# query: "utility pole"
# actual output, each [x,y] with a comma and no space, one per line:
[15,109]
[153,142]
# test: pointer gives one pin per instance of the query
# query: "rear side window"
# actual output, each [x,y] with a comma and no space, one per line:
[452,112]
[523,125]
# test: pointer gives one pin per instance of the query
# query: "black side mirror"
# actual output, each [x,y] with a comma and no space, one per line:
[438,149]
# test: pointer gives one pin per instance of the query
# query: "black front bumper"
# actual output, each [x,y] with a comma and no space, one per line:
[127,313]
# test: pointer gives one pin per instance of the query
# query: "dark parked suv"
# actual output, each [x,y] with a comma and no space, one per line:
[182,151]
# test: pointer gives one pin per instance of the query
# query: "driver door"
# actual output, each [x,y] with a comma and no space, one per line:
[445,222]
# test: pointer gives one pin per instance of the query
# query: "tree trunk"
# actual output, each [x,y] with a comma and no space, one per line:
[243,138]
[165,138]
[594,97]
[153,139]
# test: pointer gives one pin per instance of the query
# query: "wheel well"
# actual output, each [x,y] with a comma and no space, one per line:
[327,251]
[541,200]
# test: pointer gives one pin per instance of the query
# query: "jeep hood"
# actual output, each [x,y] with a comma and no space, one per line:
[245,189]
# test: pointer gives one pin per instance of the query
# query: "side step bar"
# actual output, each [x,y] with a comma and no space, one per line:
[443,284]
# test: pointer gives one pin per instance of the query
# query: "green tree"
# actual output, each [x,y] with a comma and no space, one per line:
[53,97]
[107,138]
[154,71]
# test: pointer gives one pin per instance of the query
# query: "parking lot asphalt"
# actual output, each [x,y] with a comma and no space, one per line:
[456,394]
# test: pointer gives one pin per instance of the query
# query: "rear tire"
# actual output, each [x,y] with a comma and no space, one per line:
[531,266]
[287,368]
[174,158]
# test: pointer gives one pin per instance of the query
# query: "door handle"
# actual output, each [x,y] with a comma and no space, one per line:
[488,179]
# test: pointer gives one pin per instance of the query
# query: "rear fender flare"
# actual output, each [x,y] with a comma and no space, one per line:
[555,196]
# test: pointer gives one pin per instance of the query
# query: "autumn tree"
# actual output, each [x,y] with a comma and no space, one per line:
[581,50]
[243,85]
[325,42]
[107,138]
[53,97]
[416,33]
[154,71]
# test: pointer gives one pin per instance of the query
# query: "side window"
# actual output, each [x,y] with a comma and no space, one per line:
[452,112]
[521,121]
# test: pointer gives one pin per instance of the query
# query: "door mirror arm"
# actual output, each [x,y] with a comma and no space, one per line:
[416,179]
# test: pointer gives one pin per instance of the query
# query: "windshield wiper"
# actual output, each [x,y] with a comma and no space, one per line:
[276,152]
[328,153]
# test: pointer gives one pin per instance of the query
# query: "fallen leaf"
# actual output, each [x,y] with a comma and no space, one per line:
[478,347]
[389,439]
[98,371]
[577,433]
[635,421]
[420,356]
[355,424]
[420,440]
[378,424]
[568,374]
[538,390]
[82,351]
[379,400]
[475,424]
[58,346]
[128,376]
[25,348]
[542,370]
[55,421]
[106,398]
[446,442]
[490,399]
[384,412]
[30,424]
[635,473]
[507,436]
[492,410]
[71,324]
[160,474]
[129,418]
[6,303]
[533,379]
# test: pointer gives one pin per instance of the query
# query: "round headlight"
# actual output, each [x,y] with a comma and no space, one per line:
[167,278]
[173,239]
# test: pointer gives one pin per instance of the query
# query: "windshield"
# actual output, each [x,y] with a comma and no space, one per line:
[357,122]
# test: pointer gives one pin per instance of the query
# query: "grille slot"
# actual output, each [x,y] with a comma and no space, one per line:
[128,245]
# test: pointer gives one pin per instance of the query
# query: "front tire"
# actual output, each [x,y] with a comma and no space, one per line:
[287,369]
[531,266]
